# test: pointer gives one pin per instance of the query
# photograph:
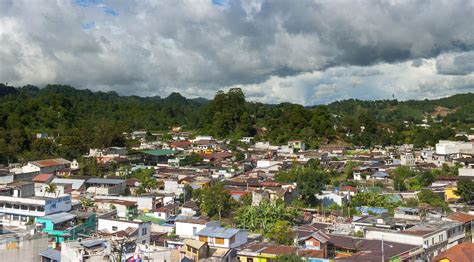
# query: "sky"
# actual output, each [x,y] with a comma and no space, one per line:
[303,51]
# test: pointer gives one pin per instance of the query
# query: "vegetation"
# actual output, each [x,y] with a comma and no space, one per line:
[273,220]
[215,201]
[465,190]
[288,258]
[77,120]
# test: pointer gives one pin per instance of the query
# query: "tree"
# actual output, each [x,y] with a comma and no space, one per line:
[187,194]
[288,258]
[86,202]
[215,201]
[310,183]
[465,190]
[263,217]
[433,199]
[51,188]
[193,159]
[246,199]
[281,233]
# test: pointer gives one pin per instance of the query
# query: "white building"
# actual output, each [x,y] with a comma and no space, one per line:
[188,228]
[407,159]
[329,198]
[446,147]
[222,237]
[19,210]
[143,229]
[46,166]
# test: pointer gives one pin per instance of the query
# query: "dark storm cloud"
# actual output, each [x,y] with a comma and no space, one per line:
[197,47]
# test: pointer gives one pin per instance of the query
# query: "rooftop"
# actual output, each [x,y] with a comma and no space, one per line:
[220,232]
[59,217]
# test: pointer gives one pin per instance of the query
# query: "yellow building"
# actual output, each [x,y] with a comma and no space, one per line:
[195,249]
[449,193]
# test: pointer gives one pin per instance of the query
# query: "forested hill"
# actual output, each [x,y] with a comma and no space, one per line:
[80,119]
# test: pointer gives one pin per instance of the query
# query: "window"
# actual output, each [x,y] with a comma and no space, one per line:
[203,238]
[144,231]
[432,240]
[219,241]
[249,259]
[114,228]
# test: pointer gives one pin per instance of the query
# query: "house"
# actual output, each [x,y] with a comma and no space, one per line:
[106,186]
[434,236]
[347,248]
[68,226]
[408,213]
[330,198]
[461,252]
[76,184]
[312,239]
[139,231]
[195,249]
[46,165]
[190,208]
[19,205]
[50,255]
[297,144]
[188,227]
[153,157]
[263,252]
[222,237]
[407,159]
[379,175]
[125,209]
[467,220]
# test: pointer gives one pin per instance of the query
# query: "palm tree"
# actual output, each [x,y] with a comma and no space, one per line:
[51,188]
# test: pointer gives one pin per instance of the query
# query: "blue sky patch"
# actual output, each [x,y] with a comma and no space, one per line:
[110,11]
[88,25]
[86,3]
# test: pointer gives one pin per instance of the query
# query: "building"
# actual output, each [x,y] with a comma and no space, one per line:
[125,209]
[68,226]
[195,249]
[105,186]
[46,166]
[461,252]
[22,245]
[408,213]
[297,144]
[20,206]
[188,227]
[140,231]
[222,237]
[407,159]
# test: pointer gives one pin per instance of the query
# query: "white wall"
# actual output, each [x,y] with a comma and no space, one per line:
[109,224]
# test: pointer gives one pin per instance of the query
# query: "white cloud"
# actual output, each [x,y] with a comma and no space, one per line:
[300,51]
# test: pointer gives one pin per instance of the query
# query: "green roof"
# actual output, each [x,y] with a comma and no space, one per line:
[159,152]
[153,220]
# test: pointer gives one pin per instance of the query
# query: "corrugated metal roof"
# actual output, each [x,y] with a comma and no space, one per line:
[96,180]
[159,152]
[76,183]
[51,254]
[59,217]
[221,232]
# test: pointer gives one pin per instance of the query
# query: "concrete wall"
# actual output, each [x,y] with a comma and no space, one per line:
[24,248]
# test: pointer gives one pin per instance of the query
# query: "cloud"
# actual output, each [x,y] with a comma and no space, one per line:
[456,64]
[305,48]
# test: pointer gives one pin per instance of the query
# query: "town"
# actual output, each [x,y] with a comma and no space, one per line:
[185,196]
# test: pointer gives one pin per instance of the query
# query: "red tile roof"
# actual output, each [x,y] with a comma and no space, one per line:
[461,252]
[43,178]
[461,217]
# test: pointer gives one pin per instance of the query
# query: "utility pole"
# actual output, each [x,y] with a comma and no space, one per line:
[383,254]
